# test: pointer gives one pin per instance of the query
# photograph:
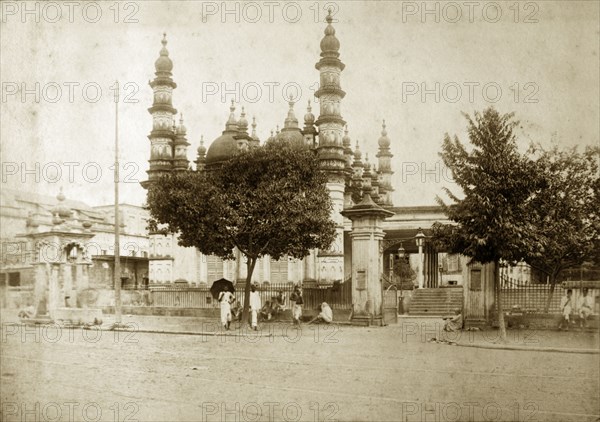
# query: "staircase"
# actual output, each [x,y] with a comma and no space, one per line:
[436,302]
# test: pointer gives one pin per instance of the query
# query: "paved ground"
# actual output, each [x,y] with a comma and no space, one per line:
[284,374]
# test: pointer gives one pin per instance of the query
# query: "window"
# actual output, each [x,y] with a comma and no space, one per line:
[14,279]
[452,262]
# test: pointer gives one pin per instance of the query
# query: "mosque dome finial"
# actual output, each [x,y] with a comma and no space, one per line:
[330,45]
[163,63]
[243,122]
[384,141]
[309,118]
[201,149]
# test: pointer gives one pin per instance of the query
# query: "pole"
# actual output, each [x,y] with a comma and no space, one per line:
[117,274]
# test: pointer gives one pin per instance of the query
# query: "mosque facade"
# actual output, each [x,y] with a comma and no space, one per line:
[348,176]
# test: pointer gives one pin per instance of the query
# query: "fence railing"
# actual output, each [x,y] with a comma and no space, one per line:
[338,296]
[532,298]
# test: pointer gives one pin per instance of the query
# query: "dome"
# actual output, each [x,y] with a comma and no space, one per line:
[309,118]
[330,43]
[61,209]
[292,136]
[181,129]
[201,149]
[163,63]
[222,148]
[357,153]
[346,141]
[242,122]
[384,141]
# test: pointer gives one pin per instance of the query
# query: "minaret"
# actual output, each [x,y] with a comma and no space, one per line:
[201,160]
[349,155]
[162,111]
[180,161]
[331,149]
[357,174]
[366,179]
[309,131]
[255,140]
[385,167]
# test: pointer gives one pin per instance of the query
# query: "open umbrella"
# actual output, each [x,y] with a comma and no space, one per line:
[219,285]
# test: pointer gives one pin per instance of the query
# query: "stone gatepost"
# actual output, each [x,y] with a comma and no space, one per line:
[367,260]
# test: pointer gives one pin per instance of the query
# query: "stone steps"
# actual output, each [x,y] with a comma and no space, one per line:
[436,302]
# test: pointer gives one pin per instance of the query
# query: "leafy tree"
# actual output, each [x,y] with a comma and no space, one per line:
[269,200]
[404,272]
[497,182]
[566,211]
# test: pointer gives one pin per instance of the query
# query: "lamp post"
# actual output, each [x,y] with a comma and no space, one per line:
[420,240]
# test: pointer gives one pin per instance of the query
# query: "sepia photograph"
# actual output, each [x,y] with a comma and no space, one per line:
[300,211]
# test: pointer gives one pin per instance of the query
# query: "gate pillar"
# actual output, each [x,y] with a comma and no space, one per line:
[367,260]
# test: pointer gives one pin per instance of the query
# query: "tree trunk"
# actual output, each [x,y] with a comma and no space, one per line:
[499,309]
[250,264]
[551,294]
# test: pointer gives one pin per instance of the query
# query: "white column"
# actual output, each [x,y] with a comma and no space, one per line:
[420,268]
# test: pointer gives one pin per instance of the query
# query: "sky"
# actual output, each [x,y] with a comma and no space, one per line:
[417,65]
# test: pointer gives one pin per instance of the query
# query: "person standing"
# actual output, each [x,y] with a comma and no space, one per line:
[296,297]
[565,309]
[225,299]
[255,306]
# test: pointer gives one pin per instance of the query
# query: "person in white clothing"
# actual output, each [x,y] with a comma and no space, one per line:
[255,306]
[585,305]
[225,299]
[566,307]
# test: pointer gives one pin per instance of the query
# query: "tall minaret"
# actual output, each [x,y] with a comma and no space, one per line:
[331,149]
[162,111]
[180,144]
[385,167]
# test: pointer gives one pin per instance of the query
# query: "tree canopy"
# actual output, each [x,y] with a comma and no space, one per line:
[565,212]
[269,200]
[498,183]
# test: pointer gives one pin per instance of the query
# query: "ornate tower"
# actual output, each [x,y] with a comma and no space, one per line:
[162,135]
[310,132]
[385,167]
[331,149]
[180,144]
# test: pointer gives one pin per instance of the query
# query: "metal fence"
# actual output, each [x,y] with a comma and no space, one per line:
[338,296]
[532,298]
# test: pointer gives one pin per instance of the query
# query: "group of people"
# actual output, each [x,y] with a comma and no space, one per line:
[231,309]
[584,308]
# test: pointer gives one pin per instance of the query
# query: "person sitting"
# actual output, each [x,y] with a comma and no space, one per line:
[565,309]
[236,310]
[266,312]
[585,304]
[454,323]
[326,314]
[278,303]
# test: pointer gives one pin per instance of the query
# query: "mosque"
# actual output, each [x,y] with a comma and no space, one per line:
[349,179]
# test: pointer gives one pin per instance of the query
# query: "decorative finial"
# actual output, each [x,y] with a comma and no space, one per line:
[277,131]
[181,119]
[330,15]
[232,108]
[383,132]
[309,108]
[202,140]
[164,40]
